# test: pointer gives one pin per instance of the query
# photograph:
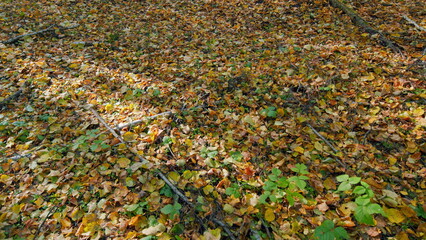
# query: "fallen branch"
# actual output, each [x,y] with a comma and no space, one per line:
[13,97]
[51,28]
[360,22]
[52,209]
[159,173]
[328,143]
[414,23]
[124,125]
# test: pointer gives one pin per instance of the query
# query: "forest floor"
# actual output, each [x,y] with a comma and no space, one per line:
[275,119]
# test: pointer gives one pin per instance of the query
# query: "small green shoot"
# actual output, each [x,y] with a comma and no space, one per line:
[365,208]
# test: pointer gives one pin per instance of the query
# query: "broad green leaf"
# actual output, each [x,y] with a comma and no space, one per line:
[362,215]
[359,190]
[354,180]
[340,233]
[342,178]
[344,186]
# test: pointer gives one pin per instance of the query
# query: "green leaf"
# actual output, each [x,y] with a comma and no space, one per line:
[264,196]
[282,182]
[298,181]
[300,168]
[362,215]
[269,186]
[168,209]
[354,180]
[344,186]
[327,231]
[375,208]
[327,225]
[359,190]
[419,210]
[340,232]
[237,156]
[362,201]
[342,178]
[276,173]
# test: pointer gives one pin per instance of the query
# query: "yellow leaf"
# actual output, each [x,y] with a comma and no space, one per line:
[129,136]
[73,65]
[418,112]
[174,176]
[123,162]
[208,189]
[374,111]
[131,235]
[109,107]
[329,183]
[318,146]
[134,220]
[4,178]
[269,215]
[299,149]
[39,201]
[17,208]
[368,78]
[280,112]
[394,215]
[392,160]
[65,222]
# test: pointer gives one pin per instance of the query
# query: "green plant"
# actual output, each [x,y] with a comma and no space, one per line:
[327,231]
[136,209]
[276,188]
[233,190]
[270,112]
[364,207]
[171,210]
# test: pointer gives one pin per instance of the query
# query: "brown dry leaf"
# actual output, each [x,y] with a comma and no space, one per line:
[373,232]
[123,162]
[323,207]
[402,236]
[330,184]
[154,229]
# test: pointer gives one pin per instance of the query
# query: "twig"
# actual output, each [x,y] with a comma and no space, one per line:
[323,138]
[44,220]
[124,125]
[160,174]
[267,229]
[143,160]
[328,143]
[365,136]
[19,156]
[50,28]
[414,23]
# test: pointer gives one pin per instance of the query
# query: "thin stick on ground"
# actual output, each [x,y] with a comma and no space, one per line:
[49,29]
[160,174]
[364,25]
[328,143]
[124,125]
[414,23]
[52,209]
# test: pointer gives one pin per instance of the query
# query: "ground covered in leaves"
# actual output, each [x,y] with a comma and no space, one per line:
[287,121]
